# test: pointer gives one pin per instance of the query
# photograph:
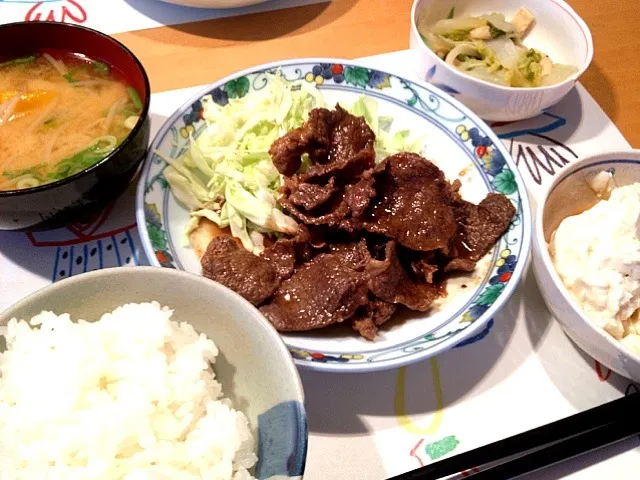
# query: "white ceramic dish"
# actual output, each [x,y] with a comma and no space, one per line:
[254,367]
[215,3]
[569,195]
[458,141]
[559,32]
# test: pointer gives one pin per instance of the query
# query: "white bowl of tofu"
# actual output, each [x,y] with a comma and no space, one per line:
[594,315]
[507,61]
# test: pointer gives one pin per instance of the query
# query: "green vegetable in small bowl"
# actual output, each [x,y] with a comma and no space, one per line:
[490,48]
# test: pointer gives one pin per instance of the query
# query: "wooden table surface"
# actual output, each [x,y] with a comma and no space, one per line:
[202,52]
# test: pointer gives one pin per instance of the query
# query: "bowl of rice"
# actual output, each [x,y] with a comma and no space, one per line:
[146,374]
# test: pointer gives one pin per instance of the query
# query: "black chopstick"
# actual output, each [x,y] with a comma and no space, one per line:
[596,418]
[562,451]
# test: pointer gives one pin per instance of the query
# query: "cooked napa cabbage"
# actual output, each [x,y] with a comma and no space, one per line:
[489,47]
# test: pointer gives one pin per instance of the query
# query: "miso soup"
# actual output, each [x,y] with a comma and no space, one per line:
[60,113]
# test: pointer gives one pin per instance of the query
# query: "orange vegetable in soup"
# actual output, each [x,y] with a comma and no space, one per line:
[27,102]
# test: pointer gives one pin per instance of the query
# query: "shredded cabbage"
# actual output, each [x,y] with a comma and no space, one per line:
[387,143]
[227,175]
[490,48]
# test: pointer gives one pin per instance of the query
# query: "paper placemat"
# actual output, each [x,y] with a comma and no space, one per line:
[522,371]
[117,16]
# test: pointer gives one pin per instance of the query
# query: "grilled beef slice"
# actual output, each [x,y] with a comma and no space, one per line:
[309,195]
[369,317]
[313,138]
[480,226]
[396,285]
[253,277]
[413,206]
[324,291]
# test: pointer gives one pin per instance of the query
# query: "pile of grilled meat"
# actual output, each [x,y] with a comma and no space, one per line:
[371,237]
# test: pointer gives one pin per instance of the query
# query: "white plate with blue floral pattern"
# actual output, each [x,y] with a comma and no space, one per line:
[456,140]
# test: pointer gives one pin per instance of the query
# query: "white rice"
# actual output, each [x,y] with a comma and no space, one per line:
[129,397]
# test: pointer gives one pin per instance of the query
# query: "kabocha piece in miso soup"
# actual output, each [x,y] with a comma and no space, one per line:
[60,113]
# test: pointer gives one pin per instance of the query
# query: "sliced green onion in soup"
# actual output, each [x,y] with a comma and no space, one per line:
[21,182]
[131,121]
[135,98]
[19,61]
[28,181]
[104,145]
[69,76]
[101,68]
[35,171]
[129,111]
[86,158]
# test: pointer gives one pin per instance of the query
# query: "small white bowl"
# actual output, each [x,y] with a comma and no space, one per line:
[569,195]
[558,31]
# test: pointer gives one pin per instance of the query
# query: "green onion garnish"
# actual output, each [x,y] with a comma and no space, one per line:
[19,61]
[135,98]
[69,76]
[101,68]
